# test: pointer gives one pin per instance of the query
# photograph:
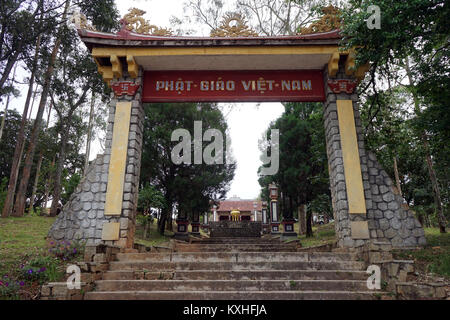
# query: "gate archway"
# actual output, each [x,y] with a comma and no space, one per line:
[142,68]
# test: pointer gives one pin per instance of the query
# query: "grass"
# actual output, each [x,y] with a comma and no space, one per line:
[25,257]
[434,257]
[155,239]
[21,238]
[322,234]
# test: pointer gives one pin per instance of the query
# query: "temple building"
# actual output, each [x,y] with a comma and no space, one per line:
[236,209]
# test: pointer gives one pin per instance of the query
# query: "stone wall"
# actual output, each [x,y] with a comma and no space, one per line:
[388,218]
[82,218]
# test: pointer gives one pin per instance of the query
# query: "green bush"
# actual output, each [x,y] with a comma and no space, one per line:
[3,192]
[9,288]
[66,250]
[41,269]
[441,266]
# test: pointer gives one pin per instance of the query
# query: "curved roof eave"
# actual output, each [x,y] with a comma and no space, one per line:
[132,39]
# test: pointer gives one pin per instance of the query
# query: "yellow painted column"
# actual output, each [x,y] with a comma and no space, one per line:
[350,153]
[117,165]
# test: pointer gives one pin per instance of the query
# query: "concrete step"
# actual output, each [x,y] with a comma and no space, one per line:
[231,295]
[278,265]
[237,275]
[235,240]
[241,247]
[231,285]
[237,257]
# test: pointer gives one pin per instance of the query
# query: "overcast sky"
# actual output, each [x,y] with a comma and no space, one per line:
[246,121]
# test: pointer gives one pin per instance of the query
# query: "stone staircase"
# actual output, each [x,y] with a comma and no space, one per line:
[234,269]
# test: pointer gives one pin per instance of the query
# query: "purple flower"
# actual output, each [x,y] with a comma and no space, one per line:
[74,250]
[42,269]
[22,283]
[52,243]
[1,283]
[7,284]
[30,271]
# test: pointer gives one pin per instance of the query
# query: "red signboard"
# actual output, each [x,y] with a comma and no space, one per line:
[233,86]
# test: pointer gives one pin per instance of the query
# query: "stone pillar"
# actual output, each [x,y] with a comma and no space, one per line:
[365,203]
[215,214]
[195,225]
[182,226]
[265,221]
[103,207]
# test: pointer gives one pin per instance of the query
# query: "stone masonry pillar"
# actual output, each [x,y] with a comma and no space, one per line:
[103,207]
[124,146]
[365,202]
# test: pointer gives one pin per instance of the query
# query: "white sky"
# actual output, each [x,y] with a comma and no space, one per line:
[246,121]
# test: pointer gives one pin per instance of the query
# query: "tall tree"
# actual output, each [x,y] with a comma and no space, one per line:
[19,206]
[190,187]
[411,31]
[303,173]
[105,20]
[267,17]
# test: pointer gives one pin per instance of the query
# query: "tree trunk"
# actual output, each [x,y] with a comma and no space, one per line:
[169,226]
[20,144]
[38,170]
[397,177]
[431,171]
[2,127]
[436,189]
[146,228]
[309,231]
[9,65]
[57,188]
[47,187]
[19,206]
[36,181]
[32,102]
[302,219]
[89,135]
[162,222]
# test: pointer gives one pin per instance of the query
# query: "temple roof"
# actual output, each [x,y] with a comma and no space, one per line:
[241,205]
[177,53]
[132,39]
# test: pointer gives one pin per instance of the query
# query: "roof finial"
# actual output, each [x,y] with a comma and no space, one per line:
[135,22]
[233,25]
